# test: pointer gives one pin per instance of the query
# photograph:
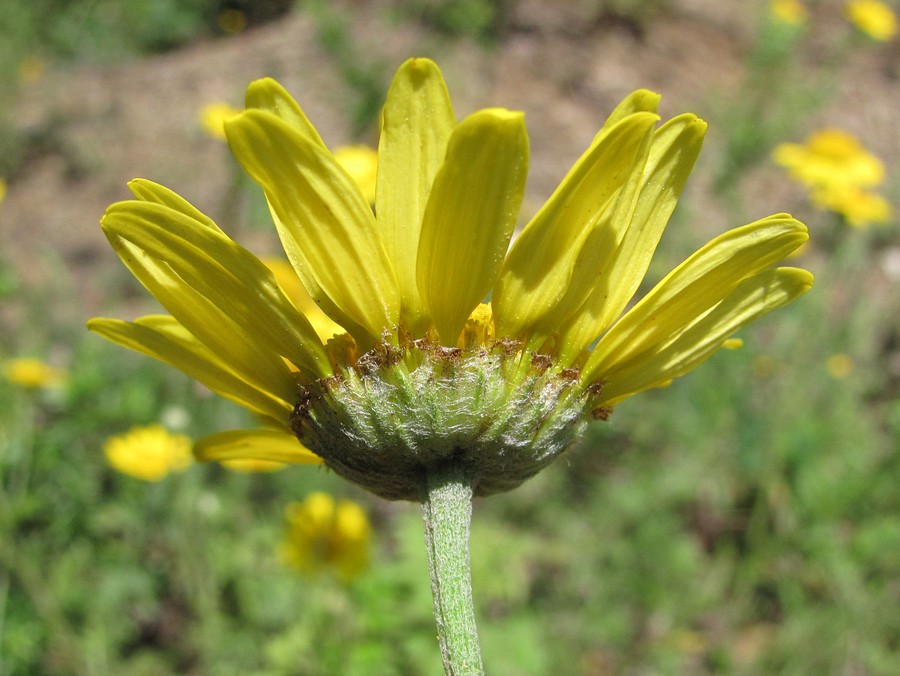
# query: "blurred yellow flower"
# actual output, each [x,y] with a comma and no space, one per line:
[874,18]
[830,156]
[31,69]
[839,365]
[859,207]
[213,117]
[322,534]
[838,171]
[2,190]
[791,12]
[148,453]
[33,373]
[361,162]
[252,465]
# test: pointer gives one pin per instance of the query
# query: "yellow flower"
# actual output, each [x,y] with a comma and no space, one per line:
[859,207]
[213,117]
[424,371]
[33,373]
[2,190]
[838,170]
[361,162]
[830,157]
[323,535]
[839,365]
[31,69]
[874,18]
[791,12]
[148,453]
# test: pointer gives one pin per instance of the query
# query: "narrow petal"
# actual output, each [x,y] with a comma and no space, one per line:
[162,337]
[148,191]
[641,218]
[698,284]
[191,268]
[638,101]
[266,94]
[470,216]
[568,232]
[261,444]
[317,295]
[694,344]
[415,128]
[320,212]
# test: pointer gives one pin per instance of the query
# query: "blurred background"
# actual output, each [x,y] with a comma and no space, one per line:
[745,520]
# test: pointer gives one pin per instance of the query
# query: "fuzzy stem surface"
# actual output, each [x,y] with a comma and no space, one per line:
[447,513]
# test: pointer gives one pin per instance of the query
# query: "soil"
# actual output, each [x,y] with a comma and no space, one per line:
[565,64]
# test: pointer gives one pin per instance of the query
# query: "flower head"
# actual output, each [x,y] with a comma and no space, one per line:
[2,190]
[425,372]
[873,17]
[323,534]
[148,453]
[839,173]
[33,373]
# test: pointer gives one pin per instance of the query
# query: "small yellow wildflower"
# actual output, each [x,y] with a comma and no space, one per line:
[213,117]
[838,171]
[830,157]
[148,453]
[31,69]
[322,535]
[361,162]
[859,207]
[873,17]
[33,373]
[839,365]
[791,12]
[2,190]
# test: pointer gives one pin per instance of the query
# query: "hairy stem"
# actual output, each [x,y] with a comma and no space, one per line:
[447,512]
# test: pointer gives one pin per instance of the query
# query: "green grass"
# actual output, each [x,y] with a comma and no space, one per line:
[745,520]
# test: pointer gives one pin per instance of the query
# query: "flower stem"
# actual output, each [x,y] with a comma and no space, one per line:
[447,512]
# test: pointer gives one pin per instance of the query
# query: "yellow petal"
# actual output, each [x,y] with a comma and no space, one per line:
[269,389]
[470,216]
[415,128]
[694,344]
[640,220]
[320,211]
[148,191]
[638,101]
[312,288]
[692,288]
[266,94]
[567,233]
[261,444]
[214,267]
